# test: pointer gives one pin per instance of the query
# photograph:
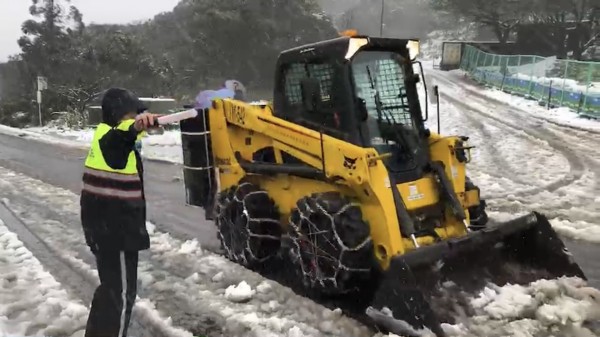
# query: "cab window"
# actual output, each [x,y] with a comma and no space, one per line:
[323,73]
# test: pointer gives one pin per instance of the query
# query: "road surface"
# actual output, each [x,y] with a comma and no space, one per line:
[63,167]
[572,195]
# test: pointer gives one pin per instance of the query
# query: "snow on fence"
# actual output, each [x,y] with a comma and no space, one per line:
[553,82]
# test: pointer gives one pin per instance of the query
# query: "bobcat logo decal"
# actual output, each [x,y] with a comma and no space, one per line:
[350,163]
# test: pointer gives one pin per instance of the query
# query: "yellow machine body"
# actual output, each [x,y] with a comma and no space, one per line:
[239,127]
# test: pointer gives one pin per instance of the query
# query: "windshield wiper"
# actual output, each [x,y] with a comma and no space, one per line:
[376,96]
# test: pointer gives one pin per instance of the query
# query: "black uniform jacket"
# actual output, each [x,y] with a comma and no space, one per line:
[112,223]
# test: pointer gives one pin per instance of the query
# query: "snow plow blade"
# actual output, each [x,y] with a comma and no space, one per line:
[431,284]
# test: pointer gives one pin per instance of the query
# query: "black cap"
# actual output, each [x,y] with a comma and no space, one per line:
[117,103]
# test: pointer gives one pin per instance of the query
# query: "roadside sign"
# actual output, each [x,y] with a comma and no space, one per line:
[451,55]
[42,83]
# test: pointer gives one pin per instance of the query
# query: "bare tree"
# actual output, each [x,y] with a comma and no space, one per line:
[500,16]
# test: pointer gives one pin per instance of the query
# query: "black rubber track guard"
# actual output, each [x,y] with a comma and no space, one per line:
[519,251]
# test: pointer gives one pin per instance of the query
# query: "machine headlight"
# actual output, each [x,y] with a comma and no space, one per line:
[413,47]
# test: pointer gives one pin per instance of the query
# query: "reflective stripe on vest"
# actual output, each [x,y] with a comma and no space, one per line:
[101,179]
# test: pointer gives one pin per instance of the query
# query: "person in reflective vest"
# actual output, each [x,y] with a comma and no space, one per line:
[113,210]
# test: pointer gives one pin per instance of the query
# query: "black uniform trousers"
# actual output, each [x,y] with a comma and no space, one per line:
[114,298]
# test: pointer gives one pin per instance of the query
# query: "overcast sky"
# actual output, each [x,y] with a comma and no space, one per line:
[14,12]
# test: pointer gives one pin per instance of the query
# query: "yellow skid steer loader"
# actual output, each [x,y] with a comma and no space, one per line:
[340,183]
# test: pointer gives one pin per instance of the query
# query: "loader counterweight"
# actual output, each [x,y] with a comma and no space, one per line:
[338,189]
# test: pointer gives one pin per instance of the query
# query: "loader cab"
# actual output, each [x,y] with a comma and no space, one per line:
[312,89]
[358,89]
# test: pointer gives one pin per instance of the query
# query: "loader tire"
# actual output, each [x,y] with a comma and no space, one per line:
[331,246]
[248,225]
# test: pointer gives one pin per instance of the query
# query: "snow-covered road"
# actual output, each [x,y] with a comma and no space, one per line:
[202,292]
[525,161]
[185,282]
[522,162]
[32,302]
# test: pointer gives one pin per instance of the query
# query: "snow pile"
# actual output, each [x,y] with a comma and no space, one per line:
[83,136]
[165,147]
[32,302]
[25,133]
[562,115]
[592,88]
[579,230]
[561,307]
[240,293]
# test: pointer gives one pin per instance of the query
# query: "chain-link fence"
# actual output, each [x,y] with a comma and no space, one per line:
[550,81]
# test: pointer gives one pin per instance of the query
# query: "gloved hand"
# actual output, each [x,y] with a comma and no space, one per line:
[145,121]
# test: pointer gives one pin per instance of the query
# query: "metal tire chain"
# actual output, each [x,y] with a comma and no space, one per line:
[246,256]
[296,250]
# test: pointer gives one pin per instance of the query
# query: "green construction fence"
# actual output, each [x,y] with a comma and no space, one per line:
[553,82]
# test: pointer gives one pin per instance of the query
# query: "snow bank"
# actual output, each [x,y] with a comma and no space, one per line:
[165,147]
[83,136]
[32,302]
[592,88]
[41,137]
[562,115]
[561,307]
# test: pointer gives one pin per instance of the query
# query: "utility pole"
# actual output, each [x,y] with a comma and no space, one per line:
[39,100]
[381,18]
[42,84]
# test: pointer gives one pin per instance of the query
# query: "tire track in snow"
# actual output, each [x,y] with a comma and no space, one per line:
[573,208]
[43,217]
[583,143]
[577,134]
[471,87]
[576,165]
[76,283]
[497,157]
[456,87]
[180,279]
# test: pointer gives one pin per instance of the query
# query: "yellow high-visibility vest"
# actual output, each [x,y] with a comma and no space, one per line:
[102,180]
[95,159]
